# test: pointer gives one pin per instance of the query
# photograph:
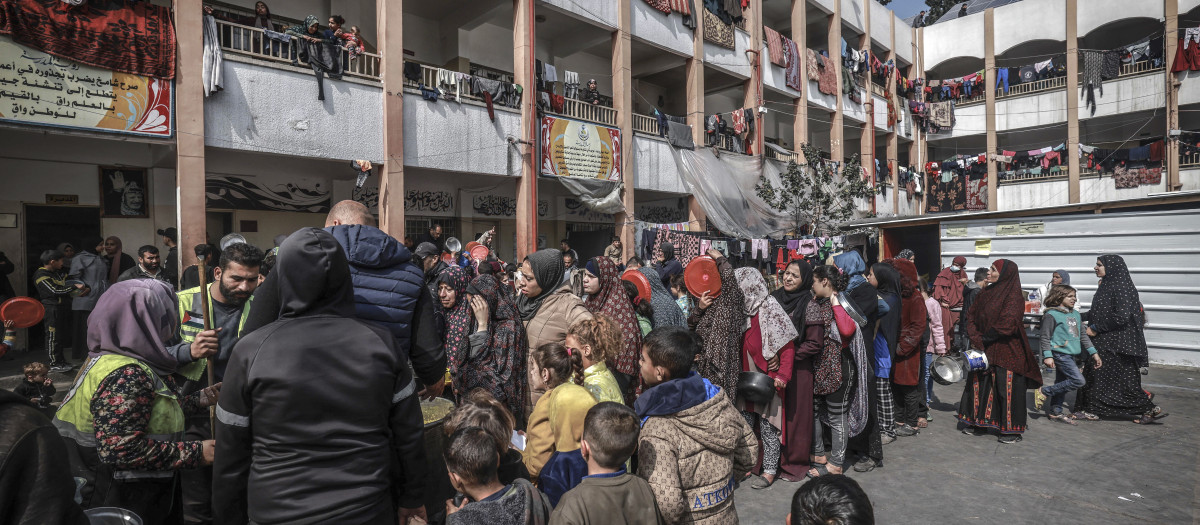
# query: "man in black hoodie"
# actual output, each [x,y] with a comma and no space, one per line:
[315,405]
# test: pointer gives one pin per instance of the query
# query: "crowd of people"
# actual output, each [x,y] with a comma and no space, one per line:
[289,388]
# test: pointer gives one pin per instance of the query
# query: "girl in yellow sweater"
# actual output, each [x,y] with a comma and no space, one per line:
[556,424]
[597,340]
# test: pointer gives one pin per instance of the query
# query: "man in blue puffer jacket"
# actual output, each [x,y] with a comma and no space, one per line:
[389,290]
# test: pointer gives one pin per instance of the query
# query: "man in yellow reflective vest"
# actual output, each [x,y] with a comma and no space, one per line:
[234,282]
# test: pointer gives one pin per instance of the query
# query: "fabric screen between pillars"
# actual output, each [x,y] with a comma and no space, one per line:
[724,186]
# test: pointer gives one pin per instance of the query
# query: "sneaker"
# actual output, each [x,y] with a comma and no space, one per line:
[1039,399]
[974,431]
[62,369]
[886,438]
[865,464]
[906,431]
[1009,439]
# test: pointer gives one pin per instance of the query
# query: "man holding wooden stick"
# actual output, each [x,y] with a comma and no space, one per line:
[209,327]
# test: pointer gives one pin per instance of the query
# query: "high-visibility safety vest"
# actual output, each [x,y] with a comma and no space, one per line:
[188,330]
[74,419]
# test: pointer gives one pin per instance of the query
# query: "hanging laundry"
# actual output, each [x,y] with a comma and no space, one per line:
[1093,69]
[660,5]
[791,73]
[774,46]
[717,32]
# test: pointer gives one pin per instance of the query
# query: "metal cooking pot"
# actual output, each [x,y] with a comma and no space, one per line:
[953,368]
[437,482]
[112,516]
[756,387]
[453,245]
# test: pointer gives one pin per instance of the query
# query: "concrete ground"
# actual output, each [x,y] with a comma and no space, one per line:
[1108,471]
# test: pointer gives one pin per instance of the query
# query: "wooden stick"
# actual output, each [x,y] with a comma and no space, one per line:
[204,308]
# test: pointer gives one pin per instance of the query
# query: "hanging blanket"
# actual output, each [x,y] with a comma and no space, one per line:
[211,71]
[791,72]
[828,83]
[813,66]
[941,114]
[660,5]
[1093,72]
[325,58]
[774,46]
[121,35]
[683,7]
[716,31]
[977,190]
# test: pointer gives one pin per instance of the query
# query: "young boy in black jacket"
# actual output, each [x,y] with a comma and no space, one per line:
[51,289]
[37,387]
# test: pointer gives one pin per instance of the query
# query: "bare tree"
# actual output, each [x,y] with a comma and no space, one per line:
[815,194]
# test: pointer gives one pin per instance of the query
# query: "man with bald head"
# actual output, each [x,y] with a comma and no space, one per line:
[389,290]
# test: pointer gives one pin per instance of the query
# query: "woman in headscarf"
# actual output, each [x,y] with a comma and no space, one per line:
[1115,324]
[910,352]
[886,280]
[666,309]
[769,335]
[863,298]
[995,398]
[117,260]
[948,292]
[451,287]
[720,321]
[606,295]
[793,296]
[839,362]
[123,419]
[498,349]
[667,266]
[547,307]
[1058,277]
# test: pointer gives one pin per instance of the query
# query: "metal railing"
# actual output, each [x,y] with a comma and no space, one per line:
[878,89]
[433,77]
[1139,68]
[645,124]
[254,42]
[725,143]
[1037,86]
[1019,177]
[771,153]
[741,24]
[1189,159]
[580,110]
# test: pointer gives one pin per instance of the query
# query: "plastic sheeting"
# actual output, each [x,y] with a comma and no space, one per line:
[724,186]
[600,196]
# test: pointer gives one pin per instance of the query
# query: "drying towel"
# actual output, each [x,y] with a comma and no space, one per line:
[791,73]
[325,58]
[121,35]
[211,69]
[774,46]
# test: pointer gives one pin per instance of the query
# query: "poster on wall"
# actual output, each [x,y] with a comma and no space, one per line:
[571,148]
[39,88]
[123,192]
[238,193]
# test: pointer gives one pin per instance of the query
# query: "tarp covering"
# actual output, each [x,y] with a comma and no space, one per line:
[600,196]
[724,186]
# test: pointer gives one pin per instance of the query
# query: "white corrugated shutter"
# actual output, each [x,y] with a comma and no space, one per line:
[1162,250]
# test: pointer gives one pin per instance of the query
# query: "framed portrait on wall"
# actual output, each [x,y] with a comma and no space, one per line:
[123,193]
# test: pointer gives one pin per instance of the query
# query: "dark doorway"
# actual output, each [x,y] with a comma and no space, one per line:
[925,243]
[45,228]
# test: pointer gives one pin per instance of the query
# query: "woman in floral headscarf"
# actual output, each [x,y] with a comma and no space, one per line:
[769,332]
[606,295]
[451,288]
[498,347]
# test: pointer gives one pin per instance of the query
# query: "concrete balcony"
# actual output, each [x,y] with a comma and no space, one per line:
[270,105]
[1136,92]
[775,78]
[886,204]
[732,61]
[661,30]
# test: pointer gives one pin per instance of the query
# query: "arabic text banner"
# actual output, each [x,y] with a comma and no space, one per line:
[38,88]
[571,148]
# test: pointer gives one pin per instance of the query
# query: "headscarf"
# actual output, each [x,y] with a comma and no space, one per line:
[888,278]
[1001,308]
[135,318]
[668,251]
[796,303]
[548,270]
[459,323]
[774,323]
[1117,302]
[720,329]
[502,364]
[850,263]
[114,262]
[1066,277]
[612,301]
[947,286]
[666,310]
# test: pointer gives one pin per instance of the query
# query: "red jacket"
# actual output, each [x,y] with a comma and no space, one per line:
[913,322]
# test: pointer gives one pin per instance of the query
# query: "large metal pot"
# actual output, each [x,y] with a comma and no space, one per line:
[756,387]
[437,486]
[111,516]
[953,368]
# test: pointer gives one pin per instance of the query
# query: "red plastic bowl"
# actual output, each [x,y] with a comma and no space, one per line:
[640,281]
[24,312]
[701,275]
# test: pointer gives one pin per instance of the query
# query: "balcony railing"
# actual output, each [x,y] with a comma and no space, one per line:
[726,143]
[645,124]
[1024,176]
[878,89]
[580,110]
[252,41]
[1037,86]
[430,78]
[1189,159]
[1139,68]
[772,153]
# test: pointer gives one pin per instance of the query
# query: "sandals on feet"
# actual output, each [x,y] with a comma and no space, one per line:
[1086,416]
[1039,399]
[1151,416]
[818,469]
[1062,418]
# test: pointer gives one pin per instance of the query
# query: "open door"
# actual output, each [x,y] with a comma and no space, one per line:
[45,228]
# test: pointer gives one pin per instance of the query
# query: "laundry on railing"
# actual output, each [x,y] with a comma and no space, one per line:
[957,184]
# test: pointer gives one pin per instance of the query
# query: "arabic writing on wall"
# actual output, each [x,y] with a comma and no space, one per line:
[39,88]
